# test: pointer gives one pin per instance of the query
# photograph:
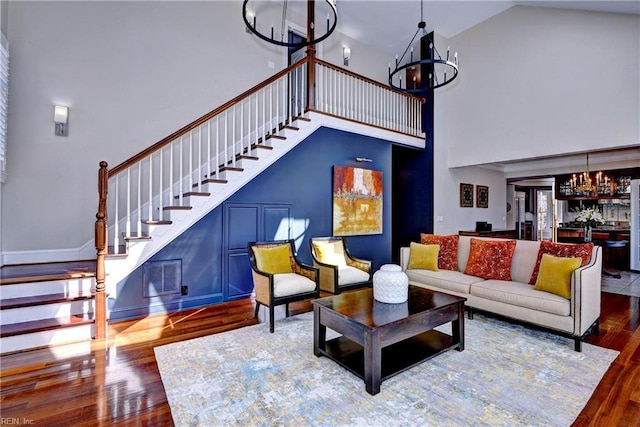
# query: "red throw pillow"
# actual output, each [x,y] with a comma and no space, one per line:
[490,259]
[562,250]
[448,255]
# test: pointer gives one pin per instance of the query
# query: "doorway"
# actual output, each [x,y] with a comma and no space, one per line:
[544,226]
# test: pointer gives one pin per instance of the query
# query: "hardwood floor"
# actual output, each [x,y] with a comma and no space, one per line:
[119,384]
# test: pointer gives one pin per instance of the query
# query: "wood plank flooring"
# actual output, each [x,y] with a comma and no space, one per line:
[119,383]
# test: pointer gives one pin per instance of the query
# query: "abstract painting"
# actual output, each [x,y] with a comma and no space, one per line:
[357,201]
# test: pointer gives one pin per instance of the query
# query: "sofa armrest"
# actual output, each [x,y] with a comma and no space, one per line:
[404,257]
[585,291]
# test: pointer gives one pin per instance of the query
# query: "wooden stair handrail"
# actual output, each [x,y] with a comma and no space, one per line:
[368,80]
[158,145]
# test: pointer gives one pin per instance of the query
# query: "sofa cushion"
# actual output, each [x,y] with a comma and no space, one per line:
[448,255]
[521,295]
[423,257]
[564,250]
[446,279]
[555,275]
[348,275]
[490,259]
[274,260]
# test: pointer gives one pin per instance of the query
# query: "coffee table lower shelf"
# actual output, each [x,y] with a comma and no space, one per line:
[396,358]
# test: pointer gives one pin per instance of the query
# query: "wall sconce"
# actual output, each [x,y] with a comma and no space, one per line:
[346,55]
[60,119]
[363,159]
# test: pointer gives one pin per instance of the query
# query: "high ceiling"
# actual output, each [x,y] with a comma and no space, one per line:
[390,24]
[380,22]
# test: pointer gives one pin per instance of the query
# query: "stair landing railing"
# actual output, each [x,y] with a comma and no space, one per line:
[140,191]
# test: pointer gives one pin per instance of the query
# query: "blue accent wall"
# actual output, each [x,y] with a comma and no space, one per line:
[302,177]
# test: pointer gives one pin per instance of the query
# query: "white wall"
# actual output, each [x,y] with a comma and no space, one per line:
[131,73]
[542,81]
[533,82]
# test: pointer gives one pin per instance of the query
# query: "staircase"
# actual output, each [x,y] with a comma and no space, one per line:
[152,198]
[46,304]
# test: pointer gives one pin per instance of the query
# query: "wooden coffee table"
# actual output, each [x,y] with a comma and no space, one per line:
[381,340]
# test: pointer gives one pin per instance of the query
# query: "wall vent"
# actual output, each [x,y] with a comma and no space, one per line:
[161,278]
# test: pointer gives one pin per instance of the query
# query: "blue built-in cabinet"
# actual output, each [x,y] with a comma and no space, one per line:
[213,251]
[249,222]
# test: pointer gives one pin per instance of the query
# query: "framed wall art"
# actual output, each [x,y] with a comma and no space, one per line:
[482,196]
[466,195]
[357,201]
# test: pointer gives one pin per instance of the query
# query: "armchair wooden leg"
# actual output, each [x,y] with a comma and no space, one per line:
[287,310]
[255,313]
[271,319]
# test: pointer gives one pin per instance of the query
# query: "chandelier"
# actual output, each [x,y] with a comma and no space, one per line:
[442,71]
[584,185]
[267,32]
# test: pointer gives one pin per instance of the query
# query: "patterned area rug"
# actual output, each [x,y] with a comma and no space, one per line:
[507,375]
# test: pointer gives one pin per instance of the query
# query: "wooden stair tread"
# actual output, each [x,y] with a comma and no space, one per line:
[214,181]
[14,329]
[231,168]
[273,136]
[42,300]
[194,193]
[177,208]
[157,222]
[25,273]
[247,157]
[143,237]
[261,146]
[304,119]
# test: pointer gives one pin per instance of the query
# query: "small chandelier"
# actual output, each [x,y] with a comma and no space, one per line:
[585,186]
[443,71]
[251,21]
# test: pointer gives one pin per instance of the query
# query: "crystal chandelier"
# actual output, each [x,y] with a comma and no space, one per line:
[442,71]
[584,185]
[267,33]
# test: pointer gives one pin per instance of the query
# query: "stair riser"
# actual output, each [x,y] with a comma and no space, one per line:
[68,286]
[49,311]
[46,338]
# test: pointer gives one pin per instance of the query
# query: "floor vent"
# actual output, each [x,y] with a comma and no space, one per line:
[161,277]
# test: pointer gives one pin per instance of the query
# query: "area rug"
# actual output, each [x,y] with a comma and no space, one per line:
[507,375]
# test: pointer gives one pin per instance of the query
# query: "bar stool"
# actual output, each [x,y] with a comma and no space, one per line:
[611,251]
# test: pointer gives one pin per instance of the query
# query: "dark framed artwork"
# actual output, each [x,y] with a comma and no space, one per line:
[466,195]
[482,196]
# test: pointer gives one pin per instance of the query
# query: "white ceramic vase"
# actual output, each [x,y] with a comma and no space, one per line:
[390,284]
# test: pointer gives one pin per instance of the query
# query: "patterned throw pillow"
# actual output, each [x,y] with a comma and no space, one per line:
[562,250]
[490,259]
[448,255]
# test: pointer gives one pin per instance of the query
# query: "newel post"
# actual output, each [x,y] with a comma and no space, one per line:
[101,250]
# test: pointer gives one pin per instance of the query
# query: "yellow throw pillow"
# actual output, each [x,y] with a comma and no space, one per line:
[273,260]
[554,275]
[423,257]
[330,253]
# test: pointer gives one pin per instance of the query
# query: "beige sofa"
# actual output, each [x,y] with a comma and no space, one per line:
[574,317]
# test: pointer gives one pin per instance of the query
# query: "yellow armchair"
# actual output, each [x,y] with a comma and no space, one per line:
[338,269]
[279,277]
